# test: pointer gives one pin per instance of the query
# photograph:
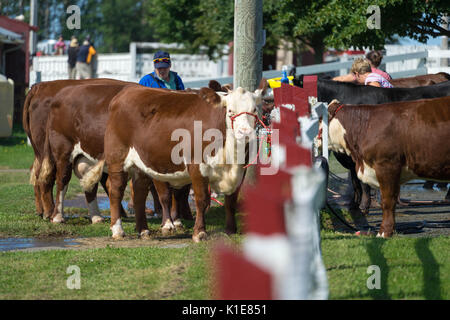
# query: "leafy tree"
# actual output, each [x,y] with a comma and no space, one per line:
[305,23]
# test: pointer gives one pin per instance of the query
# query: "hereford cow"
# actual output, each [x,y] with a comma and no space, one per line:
[139,140]
[349,93]
[35,114]
[392,143]
[75,134]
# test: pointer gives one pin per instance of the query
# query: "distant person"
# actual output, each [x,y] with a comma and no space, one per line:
[375,58]
[162,77]
[60,46]
[361,73]
[72,60]
[362,70]
[84,57]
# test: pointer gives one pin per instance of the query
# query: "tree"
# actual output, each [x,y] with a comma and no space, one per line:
[305,23]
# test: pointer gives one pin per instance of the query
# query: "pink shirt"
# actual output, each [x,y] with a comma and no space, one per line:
[375,77]
[382,73]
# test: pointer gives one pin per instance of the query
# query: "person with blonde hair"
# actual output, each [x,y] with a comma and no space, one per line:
[361,73]
[362,70]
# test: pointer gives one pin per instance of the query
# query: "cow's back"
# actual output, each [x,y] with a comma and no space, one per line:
[146,116]
[80,114]
[37,107]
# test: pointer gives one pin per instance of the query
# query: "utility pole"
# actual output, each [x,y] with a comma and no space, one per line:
[444,44]
[248,43]
[33,22]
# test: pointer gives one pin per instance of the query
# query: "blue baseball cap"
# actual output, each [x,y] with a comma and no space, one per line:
[161,59]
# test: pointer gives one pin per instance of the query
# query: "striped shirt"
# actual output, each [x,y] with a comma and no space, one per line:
[375,77]
[382,73]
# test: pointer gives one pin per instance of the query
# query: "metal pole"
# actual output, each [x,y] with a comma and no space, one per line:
[444,46]
[248,42]
[33,22]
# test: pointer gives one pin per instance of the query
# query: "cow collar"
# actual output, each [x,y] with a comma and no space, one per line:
[336,111]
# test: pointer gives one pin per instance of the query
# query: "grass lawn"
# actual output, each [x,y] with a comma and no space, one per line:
[411,268]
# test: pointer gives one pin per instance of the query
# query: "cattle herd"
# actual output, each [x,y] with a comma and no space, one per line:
[111,131]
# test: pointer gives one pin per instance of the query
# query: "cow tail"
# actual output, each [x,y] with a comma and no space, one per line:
[48,166]
[93,176]
[26,128]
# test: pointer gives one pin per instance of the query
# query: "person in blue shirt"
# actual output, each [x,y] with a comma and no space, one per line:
[162,77]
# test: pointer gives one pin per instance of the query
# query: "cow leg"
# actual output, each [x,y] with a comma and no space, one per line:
[156,203]
[63,175]
[202,202]
[230,211]
[81,167]
[45,187]
[355,199]
[94,210]
[389,180]
[131,202]
[180,206]
[165,198]
[38,200]
[365,199]
[116,184]
[141,184]
[103,180]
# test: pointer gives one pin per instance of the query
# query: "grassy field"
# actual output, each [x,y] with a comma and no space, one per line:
[411,268]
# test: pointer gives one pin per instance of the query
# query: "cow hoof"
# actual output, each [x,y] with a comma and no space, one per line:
[58,219]
[201,236]
[167,228]
[178,224]
[97,219]
[382,235]
[119,236]
[117,230]
[145,235]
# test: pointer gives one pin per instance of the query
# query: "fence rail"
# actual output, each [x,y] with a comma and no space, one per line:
[398,65]
[197,70]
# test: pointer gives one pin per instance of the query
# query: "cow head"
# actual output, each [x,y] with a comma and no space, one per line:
[242,109]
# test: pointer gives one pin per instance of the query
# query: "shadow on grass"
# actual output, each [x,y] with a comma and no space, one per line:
[18,137]
[375,252]
[431,272]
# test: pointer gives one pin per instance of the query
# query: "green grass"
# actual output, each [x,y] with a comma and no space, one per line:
[15,153]
[411,268]
[110,273]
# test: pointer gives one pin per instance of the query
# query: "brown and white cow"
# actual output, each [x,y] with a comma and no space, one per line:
[35,114]
[75,135]
[139,140]
[392,143]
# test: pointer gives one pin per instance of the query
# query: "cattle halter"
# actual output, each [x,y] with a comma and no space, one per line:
[232,118]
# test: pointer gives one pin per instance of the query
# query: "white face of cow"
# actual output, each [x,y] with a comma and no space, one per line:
[242,109]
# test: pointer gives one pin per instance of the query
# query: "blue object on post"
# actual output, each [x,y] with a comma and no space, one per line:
[284,78]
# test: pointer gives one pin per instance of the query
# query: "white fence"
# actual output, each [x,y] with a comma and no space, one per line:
[123,66]
[197,70]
